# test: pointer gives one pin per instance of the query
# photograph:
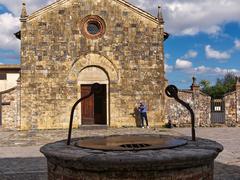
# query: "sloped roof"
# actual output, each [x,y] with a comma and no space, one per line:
[122,2]
[229,93]
[7,91]
[10,68]
[190,91]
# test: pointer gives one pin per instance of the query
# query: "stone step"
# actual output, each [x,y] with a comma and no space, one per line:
[93,127]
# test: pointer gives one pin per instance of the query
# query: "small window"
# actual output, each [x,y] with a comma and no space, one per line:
[93,27]
[3,76]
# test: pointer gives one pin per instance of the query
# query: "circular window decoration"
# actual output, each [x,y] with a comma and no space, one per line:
[93,27]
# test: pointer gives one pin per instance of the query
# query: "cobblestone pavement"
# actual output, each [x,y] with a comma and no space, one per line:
[20,158]
[227,164]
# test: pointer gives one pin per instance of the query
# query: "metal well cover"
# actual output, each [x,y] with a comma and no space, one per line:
[130,142]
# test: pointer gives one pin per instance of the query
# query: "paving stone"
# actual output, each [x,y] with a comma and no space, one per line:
[20,158]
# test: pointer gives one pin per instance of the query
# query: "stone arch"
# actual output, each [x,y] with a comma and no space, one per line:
[93,60]
[93,74]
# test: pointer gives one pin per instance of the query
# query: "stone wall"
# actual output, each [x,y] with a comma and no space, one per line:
[54,51]
[202,108]
[238,102]
[201,105]
[176,112]
[199,102]
[232,107]
[10,108]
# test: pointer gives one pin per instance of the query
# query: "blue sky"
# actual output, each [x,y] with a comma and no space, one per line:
[204,36]
[177,47]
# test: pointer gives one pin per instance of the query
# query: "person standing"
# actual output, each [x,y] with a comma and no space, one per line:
[143,113]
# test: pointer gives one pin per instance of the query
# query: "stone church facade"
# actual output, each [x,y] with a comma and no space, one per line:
[71,44]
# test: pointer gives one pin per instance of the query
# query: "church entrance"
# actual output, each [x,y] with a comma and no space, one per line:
[94,108]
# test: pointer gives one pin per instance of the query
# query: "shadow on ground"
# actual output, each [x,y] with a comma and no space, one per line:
[34,168]
[226,172]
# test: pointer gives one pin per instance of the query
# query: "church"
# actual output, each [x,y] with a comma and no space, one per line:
[71,44]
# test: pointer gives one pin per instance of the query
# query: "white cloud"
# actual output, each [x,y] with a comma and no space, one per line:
[188,17]
[214,71]
[183,81]
[9,25]
[190,54]
[14,6]
[214,54]
[167,56]
[168,68]
[186,66]
[191,17]
[185,17]
[237,43]
[183,64]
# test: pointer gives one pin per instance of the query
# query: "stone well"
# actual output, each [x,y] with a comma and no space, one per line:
[188,160]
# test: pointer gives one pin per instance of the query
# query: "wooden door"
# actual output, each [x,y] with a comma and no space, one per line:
[94,108]
[87,106]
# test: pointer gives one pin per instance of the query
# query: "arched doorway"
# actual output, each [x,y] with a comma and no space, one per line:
[94,110]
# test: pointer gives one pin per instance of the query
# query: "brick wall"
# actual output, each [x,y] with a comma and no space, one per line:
[232,107]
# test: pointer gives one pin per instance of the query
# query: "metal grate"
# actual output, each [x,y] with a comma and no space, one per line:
[218,111]
[134,146]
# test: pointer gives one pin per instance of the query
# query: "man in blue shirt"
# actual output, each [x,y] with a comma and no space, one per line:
[143,113]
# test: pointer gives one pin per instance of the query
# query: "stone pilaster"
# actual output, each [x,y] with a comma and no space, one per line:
[238,100]
[18,114]
[23,20]
[26,93]
[195,87]
[160,60]
[195,97]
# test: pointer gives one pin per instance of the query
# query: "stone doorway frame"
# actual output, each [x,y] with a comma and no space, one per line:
[104,82]
[94,60]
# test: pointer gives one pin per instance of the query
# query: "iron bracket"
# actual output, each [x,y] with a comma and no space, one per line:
[95,88]
[172,92]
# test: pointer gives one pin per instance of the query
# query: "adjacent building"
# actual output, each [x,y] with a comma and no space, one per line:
[9,75]
[9,95]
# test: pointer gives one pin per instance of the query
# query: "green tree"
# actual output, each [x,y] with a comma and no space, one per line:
[205,86]
[222,86]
